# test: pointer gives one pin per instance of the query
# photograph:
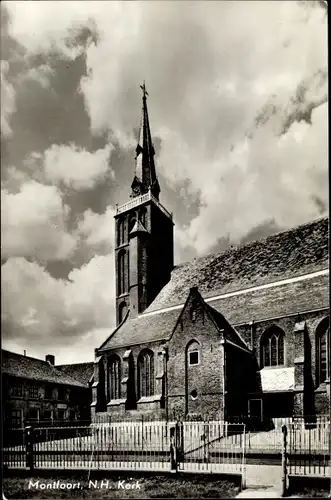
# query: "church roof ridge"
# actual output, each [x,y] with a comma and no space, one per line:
[233,248]
[294,252]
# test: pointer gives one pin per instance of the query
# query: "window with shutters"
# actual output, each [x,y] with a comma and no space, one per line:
[17,390]
[33,392]
[272,347]
[15,419]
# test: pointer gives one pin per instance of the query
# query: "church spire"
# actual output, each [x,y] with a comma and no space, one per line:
[145,175]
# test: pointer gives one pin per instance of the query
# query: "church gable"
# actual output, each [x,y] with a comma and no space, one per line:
[195,361]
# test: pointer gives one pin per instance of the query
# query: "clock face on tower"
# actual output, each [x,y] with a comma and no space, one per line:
[136,189]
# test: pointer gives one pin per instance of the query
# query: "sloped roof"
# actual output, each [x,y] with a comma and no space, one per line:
[18,365]
[277,379]
[143,329]
[290,298]
[229,332]
[295,252]
[79,371]
[287,255]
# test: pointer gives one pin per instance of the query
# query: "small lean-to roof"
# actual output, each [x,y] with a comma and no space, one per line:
[17,365]
[277,379]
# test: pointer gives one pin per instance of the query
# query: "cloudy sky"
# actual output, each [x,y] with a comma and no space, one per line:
[238,110]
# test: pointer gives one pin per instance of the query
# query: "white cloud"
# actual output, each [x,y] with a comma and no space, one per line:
[8,106]
[34,223]
[266,178]
[232,87]
[76,167]
[39,307]
[98,230]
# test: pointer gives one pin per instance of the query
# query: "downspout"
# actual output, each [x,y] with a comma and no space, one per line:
[224,375]
[252,325]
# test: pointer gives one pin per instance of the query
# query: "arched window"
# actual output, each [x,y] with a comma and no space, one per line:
[120,232]
[114,378]
[193,353]
[122,276]
[122,310]
[322,352]
[272,347]
[146,373]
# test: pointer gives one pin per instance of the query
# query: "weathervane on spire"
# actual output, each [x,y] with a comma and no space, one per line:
[143,88]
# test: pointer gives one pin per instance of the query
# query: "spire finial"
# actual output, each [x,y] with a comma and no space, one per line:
[143,88]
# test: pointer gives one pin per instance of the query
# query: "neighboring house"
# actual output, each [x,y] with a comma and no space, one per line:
[35,391]
[243,332]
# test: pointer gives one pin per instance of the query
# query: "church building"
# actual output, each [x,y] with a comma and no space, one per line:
[238,334]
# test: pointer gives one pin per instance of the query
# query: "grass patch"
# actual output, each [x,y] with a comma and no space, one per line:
[312,493]
[150,487]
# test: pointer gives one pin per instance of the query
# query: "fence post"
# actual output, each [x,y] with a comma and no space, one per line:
[173,450]
[284,461]
[243,466]
[29,446]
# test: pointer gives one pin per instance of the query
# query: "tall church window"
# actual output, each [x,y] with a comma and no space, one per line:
[122,275]
[122,310]
[322,343]
[120,232]
[114,378]
[146,373]
[272,347]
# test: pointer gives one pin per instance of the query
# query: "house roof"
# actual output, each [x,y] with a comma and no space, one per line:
[295,252]
[79,371]
[277,379]
[18,365]
[230,282]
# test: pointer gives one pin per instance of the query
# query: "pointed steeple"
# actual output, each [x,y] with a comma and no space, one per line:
[145,175]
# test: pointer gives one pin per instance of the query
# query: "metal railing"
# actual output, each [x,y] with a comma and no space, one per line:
[191,446]
[309,449]
[139,200]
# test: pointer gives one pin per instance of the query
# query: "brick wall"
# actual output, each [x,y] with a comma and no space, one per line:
[206,378]
[150,260]
[319,399]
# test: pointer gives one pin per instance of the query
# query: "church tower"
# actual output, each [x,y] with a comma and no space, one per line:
[144,233]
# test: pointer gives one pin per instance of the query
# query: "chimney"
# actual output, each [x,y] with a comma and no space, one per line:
[24,352]
[51,359]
